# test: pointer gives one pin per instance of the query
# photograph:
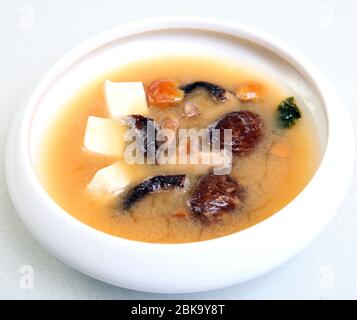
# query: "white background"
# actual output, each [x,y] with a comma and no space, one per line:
[35,33]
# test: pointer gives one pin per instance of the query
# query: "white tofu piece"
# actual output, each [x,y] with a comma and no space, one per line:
[125,98]
[112,179]
[104,136]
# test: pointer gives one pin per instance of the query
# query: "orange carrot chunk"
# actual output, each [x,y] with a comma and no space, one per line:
[164,93]
[249,91]
[180,214]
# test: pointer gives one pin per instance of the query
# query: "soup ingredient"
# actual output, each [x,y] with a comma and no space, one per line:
[105,137]
[214,195]
[247,130]
[287,113]
[170,122]
[125,98]
[190,110]
[152,185]
[164,93]
[215,91]
[143,127]
[181,214]
[112,179]
[139,122]
[249,91]
[280,150]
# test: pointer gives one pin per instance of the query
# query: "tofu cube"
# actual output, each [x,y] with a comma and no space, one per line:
[104,136]
[125,98]
[112,179]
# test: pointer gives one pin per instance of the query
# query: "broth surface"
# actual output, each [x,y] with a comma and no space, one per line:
[271,181]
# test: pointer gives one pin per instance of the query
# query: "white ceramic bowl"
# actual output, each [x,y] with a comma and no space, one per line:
[175,268]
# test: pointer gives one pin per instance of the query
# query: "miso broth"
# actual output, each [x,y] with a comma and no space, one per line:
[272,174]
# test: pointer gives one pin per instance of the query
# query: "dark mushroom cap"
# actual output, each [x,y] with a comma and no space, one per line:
[247,130]
[214,195]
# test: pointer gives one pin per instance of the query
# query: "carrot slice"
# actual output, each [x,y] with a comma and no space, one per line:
[180,214]
[164,93]
[249,91]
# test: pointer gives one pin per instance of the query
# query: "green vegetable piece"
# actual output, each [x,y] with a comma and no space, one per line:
[288,113]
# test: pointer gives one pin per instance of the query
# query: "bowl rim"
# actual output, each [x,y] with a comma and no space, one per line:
[198,23]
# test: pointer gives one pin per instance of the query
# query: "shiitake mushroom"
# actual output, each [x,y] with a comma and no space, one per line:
[247,130]
[215,91]
[140,124]
[153,185]
[214,195]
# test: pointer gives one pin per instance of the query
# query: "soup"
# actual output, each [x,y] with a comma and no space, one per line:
[271,152]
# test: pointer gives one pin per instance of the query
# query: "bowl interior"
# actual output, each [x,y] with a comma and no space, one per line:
[117,52]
